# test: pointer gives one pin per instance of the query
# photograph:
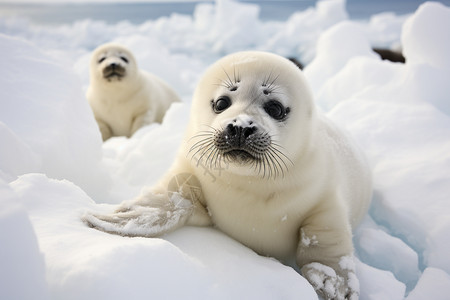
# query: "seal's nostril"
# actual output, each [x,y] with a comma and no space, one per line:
[248,131]
[232,131]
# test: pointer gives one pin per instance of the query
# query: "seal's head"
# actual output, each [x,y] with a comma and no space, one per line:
[252,114]
[112,63]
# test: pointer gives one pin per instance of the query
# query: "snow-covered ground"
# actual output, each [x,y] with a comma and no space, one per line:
[53,165]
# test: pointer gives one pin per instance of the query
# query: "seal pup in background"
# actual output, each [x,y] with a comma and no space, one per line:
[261,163]
[122,97]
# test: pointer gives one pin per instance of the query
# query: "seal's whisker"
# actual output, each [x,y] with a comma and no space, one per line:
[274,90]
[276,146]
[205,152]
[224,83]
[201,150]
[283,157]
[229,82]
[261,164]
[202,134]
[273,163]
[276,160]
[267,78]
[265,163]
[213,130]
[286,167]
[213,153]
[237,78]
[199,145]
[273,81]
[218,160]
[203,139]
[273,166]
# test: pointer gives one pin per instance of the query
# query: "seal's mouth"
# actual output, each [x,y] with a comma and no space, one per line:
[113,71]
[239,155]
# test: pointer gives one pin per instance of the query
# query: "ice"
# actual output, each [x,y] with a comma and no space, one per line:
[54,167]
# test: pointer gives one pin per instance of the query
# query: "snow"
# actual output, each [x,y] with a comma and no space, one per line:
[429,287]
[54,167]
[36,117]
[20,258]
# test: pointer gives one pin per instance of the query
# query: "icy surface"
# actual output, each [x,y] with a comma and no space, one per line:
[53,166]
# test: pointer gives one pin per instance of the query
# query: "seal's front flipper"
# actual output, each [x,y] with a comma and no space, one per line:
[140,220]
[159,211]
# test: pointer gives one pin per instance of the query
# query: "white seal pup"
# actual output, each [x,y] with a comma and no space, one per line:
[261,163]
[122,97]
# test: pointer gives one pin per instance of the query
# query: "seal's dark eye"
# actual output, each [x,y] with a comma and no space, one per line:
[124,59]
[276,110]
[101,59]
[221,104]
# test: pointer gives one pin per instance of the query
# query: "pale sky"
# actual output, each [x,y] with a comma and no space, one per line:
[92,1]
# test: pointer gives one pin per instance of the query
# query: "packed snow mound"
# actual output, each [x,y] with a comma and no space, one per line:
[334,48]
[41,102]
[54,168]
[422,36]
[83,263]
[426,48]
[21,260]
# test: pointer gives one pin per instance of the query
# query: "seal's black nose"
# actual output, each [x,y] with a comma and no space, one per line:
[237,135]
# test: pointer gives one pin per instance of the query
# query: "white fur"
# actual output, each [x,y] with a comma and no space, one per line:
[307,210]
[123,106]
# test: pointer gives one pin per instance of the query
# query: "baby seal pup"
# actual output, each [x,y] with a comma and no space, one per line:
[263,165]
[122,97]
